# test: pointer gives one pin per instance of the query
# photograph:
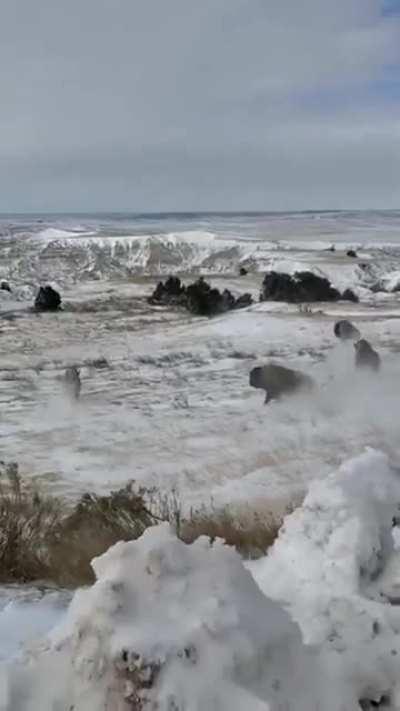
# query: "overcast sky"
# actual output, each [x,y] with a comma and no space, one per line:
[199,104]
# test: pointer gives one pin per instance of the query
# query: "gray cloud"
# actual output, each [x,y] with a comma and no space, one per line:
[177,104]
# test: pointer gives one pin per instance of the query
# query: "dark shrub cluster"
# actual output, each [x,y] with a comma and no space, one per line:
[301,287]
[199,298]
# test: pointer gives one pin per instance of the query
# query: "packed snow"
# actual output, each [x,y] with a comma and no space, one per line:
[336,569]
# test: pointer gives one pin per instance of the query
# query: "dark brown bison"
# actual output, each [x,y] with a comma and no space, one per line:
[365,356]
[346,331]
[277,380]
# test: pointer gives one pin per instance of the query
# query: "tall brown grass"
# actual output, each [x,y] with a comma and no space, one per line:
[251,535]
[42,538]
[26,520]
[95,524]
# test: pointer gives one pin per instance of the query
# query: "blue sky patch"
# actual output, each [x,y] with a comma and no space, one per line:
[391,7]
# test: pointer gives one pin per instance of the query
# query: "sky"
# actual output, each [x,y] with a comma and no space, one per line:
[150,105]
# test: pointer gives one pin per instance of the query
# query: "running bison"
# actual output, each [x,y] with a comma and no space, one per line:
[72,382]
[365,356]
[346,331]
[277,380]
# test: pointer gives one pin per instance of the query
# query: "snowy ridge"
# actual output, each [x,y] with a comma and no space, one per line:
[89,255]
[184,628]
[75,253]
[161,254]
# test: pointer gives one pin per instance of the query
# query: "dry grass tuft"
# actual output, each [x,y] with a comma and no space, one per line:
[42,539]
[26,521]
[95,524]
[252,536]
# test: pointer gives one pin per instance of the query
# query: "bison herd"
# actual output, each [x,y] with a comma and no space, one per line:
[277,380]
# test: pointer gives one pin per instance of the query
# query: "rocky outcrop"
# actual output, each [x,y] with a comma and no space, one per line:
[199,298]
[47,299]
[4,286]
[349,295]
[300,287]
[366,356]
[346,331]
[277,380]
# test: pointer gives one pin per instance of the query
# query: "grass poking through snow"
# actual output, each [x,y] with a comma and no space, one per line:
[41,539]
[251,537]
[26,522]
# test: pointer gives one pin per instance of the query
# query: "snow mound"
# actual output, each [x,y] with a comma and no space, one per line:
[170,627]
[334,567]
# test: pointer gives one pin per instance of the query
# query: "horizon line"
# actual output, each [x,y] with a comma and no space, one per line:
[140,213]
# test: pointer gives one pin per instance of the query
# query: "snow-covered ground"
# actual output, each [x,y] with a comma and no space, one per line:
[172,408]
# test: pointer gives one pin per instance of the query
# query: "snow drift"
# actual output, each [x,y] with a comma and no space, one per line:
[169,626]
[335,568]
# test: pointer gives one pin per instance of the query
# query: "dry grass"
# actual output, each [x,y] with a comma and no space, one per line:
[26,519]
[252,536]
[95,524]
[42,539]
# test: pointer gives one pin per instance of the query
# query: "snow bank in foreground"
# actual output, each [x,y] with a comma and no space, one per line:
[335,569]
[186,628]
[170,627]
